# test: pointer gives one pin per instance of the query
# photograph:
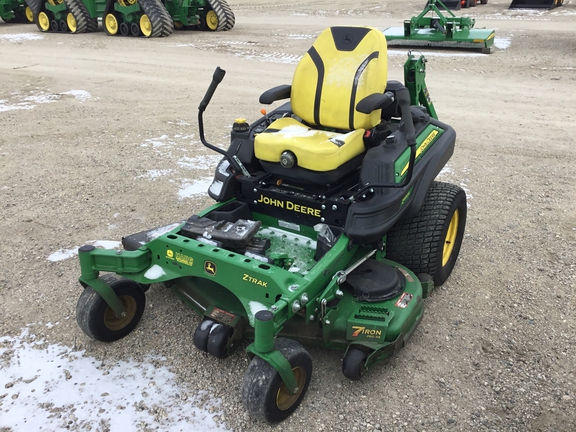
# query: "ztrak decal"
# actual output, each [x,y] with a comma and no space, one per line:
[289,205]
[180,257]
[254,280]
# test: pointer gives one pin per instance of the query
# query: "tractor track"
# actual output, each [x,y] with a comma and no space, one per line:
[162,23]
[84,23]
[226,18]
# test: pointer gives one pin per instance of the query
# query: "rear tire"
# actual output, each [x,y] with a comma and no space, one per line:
[430,241]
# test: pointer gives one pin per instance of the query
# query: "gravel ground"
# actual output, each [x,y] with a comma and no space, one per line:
[99,139]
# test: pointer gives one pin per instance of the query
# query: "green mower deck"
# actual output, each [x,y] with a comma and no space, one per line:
[432,28]
[285,257]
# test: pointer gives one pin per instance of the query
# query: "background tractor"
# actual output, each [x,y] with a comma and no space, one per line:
[15,11]
[147,18]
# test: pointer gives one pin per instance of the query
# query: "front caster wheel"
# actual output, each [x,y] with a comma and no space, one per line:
[201,334]
[353,364]
[99,321]
[265,395]
[218,340]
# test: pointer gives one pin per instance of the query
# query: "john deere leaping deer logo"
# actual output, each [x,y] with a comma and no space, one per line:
[210,268]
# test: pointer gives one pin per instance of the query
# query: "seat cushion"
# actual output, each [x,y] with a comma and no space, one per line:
[316,150]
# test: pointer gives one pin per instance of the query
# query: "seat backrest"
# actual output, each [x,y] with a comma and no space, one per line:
[344,65]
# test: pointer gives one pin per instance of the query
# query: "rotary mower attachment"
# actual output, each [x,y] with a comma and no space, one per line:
[296,250]
[433,28]
[535,4]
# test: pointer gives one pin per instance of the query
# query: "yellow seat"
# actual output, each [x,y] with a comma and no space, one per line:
[343,66]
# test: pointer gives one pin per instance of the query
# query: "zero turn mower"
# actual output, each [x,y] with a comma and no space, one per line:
[434,29]
[329,227]
[15,11]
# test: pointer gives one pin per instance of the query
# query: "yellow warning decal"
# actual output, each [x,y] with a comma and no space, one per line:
[180,257]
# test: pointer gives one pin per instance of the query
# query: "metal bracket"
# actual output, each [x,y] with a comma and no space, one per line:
[343,274]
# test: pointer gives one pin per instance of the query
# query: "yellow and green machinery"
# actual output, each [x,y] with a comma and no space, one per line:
[15,11]
[535,4]
[437,29]
[147,18]
[328,227]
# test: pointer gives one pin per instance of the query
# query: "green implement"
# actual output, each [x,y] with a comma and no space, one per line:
[435,29]
[535,4]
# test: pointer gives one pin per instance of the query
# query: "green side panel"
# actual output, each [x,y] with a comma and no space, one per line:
[465,38]
[424,141]
[95,7]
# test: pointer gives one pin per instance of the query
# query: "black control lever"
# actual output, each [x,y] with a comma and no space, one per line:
[233,159]
[216,79]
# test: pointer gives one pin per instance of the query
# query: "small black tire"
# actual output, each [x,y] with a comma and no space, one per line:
[430,241]
[353,364]
[99,321]
[264,395]
[201,334]
[219,339]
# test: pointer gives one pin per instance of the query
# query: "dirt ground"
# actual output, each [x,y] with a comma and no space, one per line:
[98,139]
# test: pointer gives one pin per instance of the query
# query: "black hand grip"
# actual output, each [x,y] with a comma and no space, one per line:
[216,79]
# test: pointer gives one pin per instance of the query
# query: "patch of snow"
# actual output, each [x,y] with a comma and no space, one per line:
[155,173]
[502,42]
[63,254]
[155,233]
[154,272]
[20,37]
[216,187]
[197,187]
[199,162]
[53,387]
[80,95]
[255,307]
[256,256]
[5,107]
[289,236]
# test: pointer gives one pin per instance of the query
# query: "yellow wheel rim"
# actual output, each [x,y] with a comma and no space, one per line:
[72,24]
[450,238]
[112,322]
[127,2]
[43,21]
[55,2]
[212,20]
[29,14]
[145,25]
[284,399]
[178,24]
[111,24]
